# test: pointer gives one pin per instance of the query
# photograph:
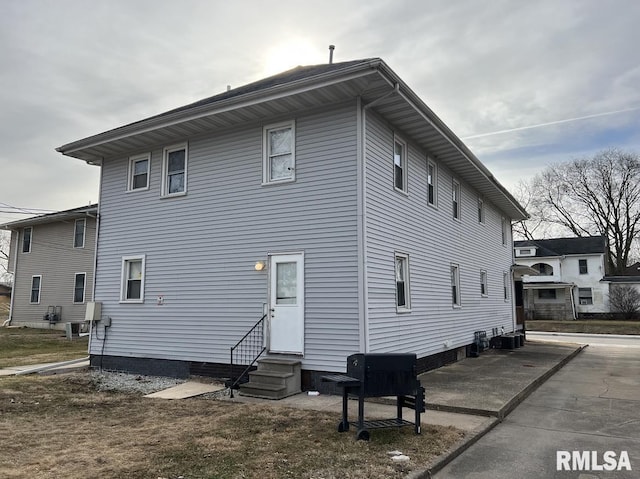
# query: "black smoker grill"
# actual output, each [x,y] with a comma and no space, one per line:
[377,375]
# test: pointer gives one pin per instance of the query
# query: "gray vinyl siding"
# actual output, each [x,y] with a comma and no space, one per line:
[201,247]
[54,258]
[433,240]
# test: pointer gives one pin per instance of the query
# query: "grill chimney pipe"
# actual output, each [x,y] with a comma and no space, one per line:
[331,48]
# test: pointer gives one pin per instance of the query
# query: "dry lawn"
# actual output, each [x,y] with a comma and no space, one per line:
[59,426]
[25,346]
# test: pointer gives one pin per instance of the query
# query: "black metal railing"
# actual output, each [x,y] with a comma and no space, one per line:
[246,352]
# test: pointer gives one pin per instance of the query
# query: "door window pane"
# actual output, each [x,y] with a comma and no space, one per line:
[286,283]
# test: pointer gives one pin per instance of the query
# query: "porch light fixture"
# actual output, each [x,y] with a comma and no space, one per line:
[260,265]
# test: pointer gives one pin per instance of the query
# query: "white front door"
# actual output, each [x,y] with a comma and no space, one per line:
[286,303]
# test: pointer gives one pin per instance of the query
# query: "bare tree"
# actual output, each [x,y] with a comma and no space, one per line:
[593,196]
[535,227]
[625,299]
[5,238]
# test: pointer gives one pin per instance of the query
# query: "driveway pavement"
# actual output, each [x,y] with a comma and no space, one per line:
[592,404]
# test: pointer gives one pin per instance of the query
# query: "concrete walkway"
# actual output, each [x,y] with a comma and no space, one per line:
[50,368]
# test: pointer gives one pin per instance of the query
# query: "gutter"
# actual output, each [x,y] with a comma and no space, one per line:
[15,276]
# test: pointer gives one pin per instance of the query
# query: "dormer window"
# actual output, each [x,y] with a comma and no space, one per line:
[523,252]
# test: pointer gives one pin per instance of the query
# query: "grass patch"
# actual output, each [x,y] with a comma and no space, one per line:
[591,326]
[73,431]
[25,346]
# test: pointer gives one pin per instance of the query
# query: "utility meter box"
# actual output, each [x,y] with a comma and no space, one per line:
[93,311]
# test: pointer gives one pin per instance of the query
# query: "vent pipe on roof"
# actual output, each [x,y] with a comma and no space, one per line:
[331,49]
[228,87]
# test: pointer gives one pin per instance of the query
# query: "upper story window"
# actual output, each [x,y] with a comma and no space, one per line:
[544,269]
[480,210]
[456,200]
[525,252]
[582,266]
[432,183]
[36,283]
[279,163]
[399,164]
[403,302]
[79,287]
[132,282]
[504,224]
[78,233]
[27,233]
[484,292]
[455,285]
[174,171]
[139,172]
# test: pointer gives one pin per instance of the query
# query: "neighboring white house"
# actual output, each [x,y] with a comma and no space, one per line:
[569,281]
[329,197]
[52,260]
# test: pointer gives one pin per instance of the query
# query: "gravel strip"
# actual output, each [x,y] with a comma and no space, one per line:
[138,384]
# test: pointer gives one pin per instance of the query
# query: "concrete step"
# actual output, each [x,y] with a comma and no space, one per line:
[265,376]
[265,391]
[278,364]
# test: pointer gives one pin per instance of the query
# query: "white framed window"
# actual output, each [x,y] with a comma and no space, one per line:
[132,282]
[432,183]
[585,296]
[80,283]
[174,170]
[79,231]
[504,225]
[480,210]
[27,234]
[279,146]
[505,285]
[403,291]
[455,286]
[36,286]
[139,167]
[484,291]
[455,197]
[400,165]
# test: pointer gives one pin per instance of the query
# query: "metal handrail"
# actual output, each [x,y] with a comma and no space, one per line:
[255,340]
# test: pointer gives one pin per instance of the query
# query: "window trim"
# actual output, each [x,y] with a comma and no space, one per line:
[266,164]
[590,297]
[75,232]
[404,164]
[84,288]
[30,228]
[484,283]
[586,266]
[481,211]
[433,184]
[39,276]
[131,175]
[406,308]
[124,278]
[164,190]
[456,300]
[505,286]
[456,202]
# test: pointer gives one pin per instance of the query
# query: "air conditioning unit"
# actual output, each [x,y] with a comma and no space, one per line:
[584,301]
[93,311]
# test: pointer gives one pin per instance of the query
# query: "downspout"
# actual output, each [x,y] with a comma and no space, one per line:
[363,283]
[15,275]
[573,302]
[95,257]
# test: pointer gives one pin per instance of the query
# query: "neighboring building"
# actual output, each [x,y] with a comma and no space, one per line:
[629,277]
[5,301]
[52,259]
[568,283]
[329,197]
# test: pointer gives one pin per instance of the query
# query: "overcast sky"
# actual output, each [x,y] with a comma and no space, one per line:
[523,83]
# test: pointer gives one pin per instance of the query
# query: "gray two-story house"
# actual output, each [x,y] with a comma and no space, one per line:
[329,198]
[52,260]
